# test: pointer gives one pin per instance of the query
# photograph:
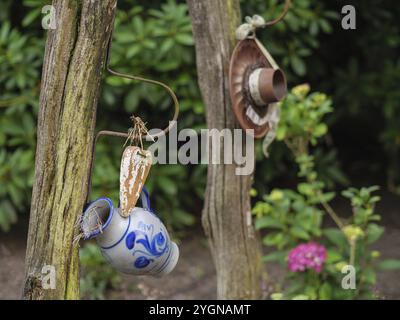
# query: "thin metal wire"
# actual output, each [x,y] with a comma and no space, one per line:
[123,134]
[142,79]
[138,78]
[248,29]
[283,14]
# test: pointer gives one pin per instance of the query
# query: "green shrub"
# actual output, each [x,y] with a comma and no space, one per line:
[20,60]
[97,274]
[293,217]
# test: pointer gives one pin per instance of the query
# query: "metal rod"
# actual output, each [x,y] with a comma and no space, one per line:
[283,14]
[122,134]
[150,81]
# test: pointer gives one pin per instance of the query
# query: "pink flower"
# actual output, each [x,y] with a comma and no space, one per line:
[307,256]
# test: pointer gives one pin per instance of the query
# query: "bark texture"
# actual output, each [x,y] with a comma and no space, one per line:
[74,59]
[227,212]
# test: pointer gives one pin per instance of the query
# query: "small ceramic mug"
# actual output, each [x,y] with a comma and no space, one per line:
[138,244]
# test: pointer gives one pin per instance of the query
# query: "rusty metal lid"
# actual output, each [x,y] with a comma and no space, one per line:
[254,85]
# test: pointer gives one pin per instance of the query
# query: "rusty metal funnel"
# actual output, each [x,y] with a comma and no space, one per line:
[255,83]
[267,86]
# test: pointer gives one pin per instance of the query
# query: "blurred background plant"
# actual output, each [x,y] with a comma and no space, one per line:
[97,275]
[153,39]
[316,254]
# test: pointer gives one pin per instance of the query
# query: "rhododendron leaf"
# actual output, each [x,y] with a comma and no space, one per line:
[390,264]
[299,232]
[305,188]
[277,256]
[333,256]
[320,130]
[311,292]
[336,237]
[369,276]
[327,197]
[374,232]
[268,222]
[325,292]
[274,239]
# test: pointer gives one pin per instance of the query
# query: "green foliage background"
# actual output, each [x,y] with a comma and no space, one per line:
[359,69]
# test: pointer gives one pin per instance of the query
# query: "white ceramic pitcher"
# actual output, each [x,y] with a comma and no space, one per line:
[138,244]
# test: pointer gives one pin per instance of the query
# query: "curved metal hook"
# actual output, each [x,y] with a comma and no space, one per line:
[138,78]
[248,30]
[282,15]
[122,134]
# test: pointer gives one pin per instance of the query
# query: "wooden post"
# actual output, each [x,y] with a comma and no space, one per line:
[227,213]
[73,63]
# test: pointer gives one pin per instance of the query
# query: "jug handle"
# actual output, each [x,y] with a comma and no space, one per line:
[144,195]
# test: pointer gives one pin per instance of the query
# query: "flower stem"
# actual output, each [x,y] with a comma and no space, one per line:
[352,252]
[332,214]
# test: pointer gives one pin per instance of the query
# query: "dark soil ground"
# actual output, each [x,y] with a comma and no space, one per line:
[194,276]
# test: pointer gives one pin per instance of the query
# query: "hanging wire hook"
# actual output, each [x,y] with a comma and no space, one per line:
[155,82]
[248,30]
[172,123]
[138,78]
[283,14]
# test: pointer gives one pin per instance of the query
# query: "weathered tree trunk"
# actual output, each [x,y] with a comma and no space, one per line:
[226,215]
[74,58]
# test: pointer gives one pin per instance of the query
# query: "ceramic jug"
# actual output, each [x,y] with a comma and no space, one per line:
[138,244]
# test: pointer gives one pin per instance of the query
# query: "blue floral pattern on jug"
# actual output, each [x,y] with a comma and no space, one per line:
[130,240]
[154,246]
[142,262]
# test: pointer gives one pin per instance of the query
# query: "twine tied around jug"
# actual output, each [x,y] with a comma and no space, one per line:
[137,132]
[89,228]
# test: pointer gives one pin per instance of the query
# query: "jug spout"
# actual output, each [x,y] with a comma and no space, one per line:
[96,218]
